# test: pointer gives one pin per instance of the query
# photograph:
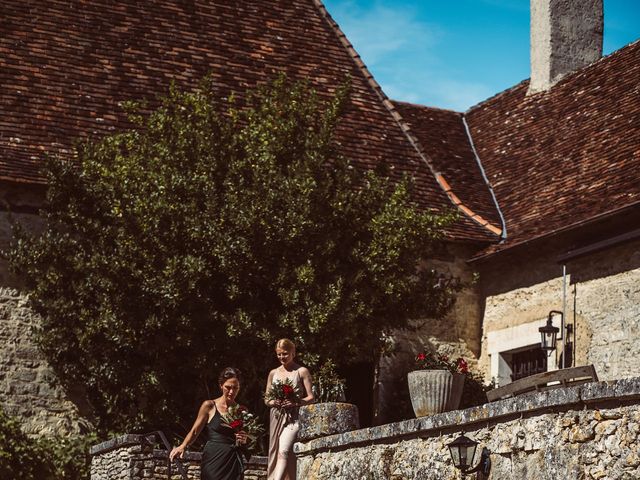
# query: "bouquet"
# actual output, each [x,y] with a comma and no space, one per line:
[283,390]
[239,419]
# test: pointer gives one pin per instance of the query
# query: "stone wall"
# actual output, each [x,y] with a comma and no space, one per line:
[28,387]
[134,457]
[585,432]
[27,384]
[603,303]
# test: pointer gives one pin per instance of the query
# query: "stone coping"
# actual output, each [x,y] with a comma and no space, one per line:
[625,390]
[126,440]
[130,439]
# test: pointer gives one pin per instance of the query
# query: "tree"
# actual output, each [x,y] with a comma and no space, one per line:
[207,230]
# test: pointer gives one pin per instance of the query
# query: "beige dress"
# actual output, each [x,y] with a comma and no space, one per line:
[283,428]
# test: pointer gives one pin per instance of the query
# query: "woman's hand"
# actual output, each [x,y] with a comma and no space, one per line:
[176,452]
[288,404]
[242,437]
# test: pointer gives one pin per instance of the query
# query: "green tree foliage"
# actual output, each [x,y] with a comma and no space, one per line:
[206,231]
[45,458]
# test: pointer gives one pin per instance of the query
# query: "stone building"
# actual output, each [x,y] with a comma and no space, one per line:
[545,175]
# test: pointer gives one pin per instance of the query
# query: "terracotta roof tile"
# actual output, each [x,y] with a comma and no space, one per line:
[443,137]
[566,155]
[66,64]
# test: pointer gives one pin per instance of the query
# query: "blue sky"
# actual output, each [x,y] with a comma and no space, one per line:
[454,54]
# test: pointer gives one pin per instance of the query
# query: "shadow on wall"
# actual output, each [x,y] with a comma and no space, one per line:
[528,266]
[606,263]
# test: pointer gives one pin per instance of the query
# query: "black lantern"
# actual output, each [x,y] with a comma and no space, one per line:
[462,450]
[548,333]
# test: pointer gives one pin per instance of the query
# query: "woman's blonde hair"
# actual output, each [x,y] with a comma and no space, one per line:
[286,344]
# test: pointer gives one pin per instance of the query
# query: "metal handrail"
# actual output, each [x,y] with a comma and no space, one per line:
[167,446]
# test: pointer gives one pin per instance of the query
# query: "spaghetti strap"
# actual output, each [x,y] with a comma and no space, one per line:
[215,410]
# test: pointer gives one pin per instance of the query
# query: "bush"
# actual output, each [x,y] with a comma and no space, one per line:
[44,458]
[328,386]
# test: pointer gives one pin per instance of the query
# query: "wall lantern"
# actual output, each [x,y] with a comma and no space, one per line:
[462,451]
[549,333]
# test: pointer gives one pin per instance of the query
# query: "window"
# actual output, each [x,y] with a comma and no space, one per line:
[528,362]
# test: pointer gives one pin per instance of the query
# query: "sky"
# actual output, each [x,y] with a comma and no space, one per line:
[454,54]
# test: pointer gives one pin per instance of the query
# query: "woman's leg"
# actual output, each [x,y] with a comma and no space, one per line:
[285,452]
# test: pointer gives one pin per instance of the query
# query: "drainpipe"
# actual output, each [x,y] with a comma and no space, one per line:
[565,337]
[503,235]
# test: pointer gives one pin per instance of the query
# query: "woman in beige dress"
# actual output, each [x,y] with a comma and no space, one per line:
[283,419]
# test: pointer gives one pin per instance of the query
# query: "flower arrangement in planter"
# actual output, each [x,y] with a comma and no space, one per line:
[435,361]
[436,386]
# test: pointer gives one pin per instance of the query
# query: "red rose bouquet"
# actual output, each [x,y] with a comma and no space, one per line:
[239,419]
[282,390]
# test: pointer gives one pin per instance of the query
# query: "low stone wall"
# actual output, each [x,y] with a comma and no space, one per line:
[585,432]
[134,457]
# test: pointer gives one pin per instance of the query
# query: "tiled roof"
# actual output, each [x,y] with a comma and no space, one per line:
[565,156]
[66,64]
[444,139]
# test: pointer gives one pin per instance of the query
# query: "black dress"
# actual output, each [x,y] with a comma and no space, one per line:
[221,459]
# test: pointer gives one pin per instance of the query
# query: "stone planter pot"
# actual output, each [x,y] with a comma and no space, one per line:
[321,419]
[434,391]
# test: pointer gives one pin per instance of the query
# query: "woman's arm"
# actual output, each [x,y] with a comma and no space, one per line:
[269,403]
[198,425]
[308,386]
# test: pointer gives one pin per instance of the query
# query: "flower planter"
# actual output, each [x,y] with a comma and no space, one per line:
[434,391]
[321,419]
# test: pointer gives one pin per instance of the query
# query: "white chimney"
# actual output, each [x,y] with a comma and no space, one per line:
[566,35]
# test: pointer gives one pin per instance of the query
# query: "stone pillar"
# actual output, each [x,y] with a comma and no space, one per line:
[566,35]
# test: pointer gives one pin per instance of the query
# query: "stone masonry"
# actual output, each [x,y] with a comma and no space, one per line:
[134,457]
[27,384]
[603,304]
[28,387]
[585,432]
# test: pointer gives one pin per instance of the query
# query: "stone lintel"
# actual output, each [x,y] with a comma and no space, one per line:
[625,390]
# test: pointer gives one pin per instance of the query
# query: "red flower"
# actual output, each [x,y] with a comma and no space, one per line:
[237,425]
[287,390]
[421,357]
[463,366]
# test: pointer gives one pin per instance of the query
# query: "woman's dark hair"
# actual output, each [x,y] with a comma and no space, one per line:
[229,372]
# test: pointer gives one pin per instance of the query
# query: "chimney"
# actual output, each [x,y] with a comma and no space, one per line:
[566,35]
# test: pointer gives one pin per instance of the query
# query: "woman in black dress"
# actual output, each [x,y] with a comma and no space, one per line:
[221,458]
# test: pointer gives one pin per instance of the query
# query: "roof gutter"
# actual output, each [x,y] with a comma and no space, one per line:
[558,231]
[599,246]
